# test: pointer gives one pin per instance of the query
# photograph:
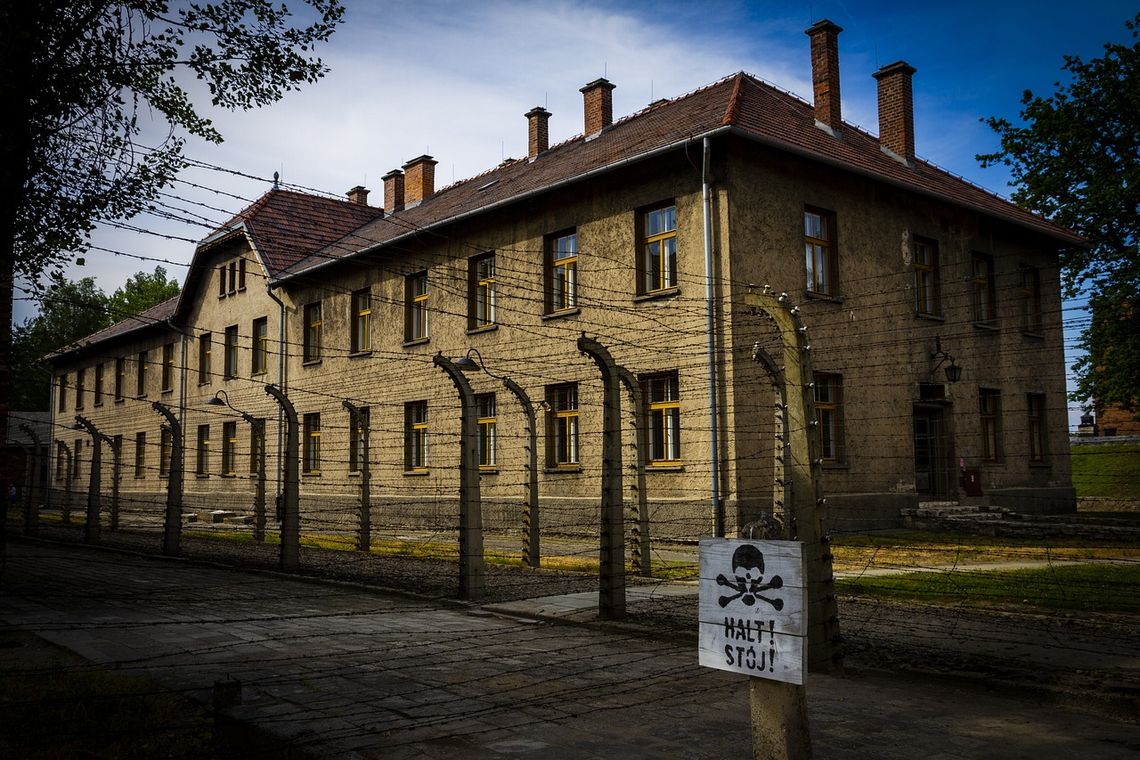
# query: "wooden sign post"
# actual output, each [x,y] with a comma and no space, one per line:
[753,621]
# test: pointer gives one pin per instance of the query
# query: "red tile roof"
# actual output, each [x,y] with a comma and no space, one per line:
[740,104]
[155,315]
[286,226]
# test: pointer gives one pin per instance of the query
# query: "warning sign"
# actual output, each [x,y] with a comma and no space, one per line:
[753,608]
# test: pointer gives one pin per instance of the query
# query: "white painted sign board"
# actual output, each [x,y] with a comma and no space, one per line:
[753,608]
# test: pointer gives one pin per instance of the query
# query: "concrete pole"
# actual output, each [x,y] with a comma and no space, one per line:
[92,525]
[291,518]
[471,568]
[359,420]
[532,554]
[68,477]
[257,428]
[29,466]
[641,547]
[32,503]
[172,524]
[611,596]
[116,478]
[803,490]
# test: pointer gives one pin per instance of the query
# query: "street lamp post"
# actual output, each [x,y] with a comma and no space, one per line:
[471,570]
[532,554]
[257,437]
[291,499]
[359,421]
[611,594]
[172,524]
[92,525]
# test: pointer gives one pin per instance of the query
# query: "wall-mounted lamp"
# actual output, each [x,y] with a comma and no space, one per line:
[953,371]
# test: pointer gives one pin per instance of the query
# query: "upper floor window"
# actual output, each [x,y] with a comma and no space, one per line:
[230,361]
[663,411]
[829,416]
[481,291]
[168,367]
[1037,433]
[205,342]
[140,373]
[820,253]
[98,385]
[311,342]
[61,392]
[561,272]
[231,277]
[259,363]
[982,306]
[361,321]
[562,425]
[485,406]
[989,412]
[120,377]
[927,278]
[416,435]
[416,307]
[140,455]
[1031,299]
[80,381]
[658,261]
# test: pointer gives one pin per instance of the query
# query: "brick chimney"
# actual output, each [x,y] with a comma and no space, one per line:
[394,190]
[825,72]
[419,180]
[896,110]
[598,99]
[358,194]
[537,130]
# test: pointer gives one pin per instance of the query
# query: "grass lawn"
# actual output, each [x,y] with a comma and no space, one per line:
[927,548]
[1109,470]
[1098,587]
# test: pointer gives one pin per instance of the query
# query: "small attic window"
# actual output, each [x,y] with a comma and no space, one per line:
[481,188]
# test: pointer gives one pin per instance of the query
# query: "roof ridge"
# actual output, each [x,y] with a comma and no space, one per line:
[733,101]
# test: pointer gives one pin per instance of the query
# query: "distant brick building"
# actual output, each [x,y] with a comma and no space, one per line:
[900,270]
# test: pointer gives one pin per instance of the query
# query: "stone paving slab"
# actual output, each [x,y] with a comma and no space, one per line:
[348,674]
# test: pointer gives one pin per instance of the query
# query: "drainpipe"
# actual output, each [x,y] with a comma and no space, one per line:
[710,303]
[283,382]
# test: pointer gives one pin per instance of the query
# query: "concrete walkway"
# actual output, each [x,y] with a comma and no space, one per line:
[342,673]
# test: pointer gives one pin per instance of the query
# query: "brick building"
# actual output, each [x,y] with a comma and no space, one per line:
[645,232]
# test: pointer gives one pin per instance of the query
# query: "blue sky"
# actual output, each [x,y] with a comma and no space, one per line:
[454,79]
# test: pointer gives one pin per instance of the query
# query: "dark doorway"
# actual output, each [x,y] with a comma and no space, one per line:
[933,453]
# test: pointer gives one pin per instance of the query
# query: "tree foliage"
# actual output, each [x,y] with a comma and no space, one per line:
[82,79]
[140,292]
[1076,159]
[69,311]
[85,83]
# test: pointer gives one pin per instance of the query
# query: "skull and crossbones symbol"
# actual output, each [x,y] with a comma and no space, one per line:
[748,568]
